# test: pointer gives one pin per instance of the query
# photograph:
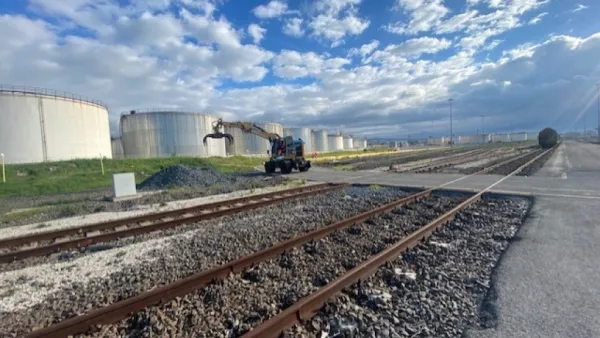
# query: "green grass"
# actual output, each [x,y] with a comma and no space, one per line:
[80,175]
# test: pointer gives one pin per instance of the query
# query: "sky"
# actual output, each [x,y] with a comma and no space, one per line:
[372,68]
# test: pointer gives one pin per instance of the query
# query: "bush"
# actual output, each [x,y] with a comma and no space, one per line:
[547,138]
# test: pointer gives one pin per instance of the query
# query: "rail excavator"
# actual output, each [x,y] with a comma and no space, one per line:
[286,153]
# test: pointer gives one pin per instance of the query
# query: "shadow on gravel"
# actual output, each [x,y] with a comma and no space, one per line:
[488,309]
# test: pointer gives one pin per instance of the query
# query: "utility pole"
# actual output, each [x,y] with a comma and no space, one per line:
[451,142]
[483,128]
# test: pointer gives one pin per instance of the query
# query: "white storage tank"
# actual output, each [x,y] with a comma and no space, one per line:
[348,142]
[250,144]
[164,133]
[117,148]
[500,138]
[532,136]
[320,142]
[518,137]
[39,125]
[305,134]
[335,142]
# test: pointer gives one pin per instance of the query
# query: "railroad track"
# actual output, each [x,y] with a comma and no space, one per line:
[437,164]
[302,309]
[45,243]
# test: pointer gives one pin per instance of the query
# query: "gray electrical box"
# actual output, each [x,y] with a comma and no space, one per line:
[124,185]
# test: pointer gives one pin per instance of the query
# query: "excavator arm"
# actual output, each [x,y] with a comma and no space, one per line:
[247,127]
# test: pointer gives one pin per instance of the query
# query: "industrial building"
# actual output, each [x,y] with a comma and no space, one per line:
[250,144]
[305,134]
[335,142]
[320,141]
[164,133]
[117,148]
[41,125]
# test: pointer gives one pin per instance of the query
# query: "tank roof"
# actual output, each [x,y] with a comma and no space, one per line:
[49,93]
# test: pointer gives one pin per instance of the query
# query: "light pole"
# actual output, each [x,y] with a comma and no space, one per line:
[451,142]
[3,170]
[483,128]
[598,112]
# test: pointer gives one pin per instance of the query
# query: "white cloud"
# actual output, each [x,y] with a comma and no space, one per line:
[424,16]
[537,18]
[365,49]
[412,48]
[336,19]
[579,7]
[208,30]
[335,29]
[293,27]
[147,29]
[256,32]
[188,60]
[273,9]
[292,64]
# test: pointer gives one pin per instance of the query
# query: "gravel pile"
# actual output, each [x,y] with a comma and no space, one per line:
[209,243]
[537,165]
[512,166]
[180,175]
[232,306]
[438,289]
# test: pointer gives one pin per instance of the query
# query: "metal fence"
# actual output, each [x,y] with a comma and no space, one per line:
[48,92]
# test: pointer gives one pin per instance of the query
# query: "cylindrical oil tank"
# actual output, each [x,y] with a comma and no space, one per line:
[164,133]
[39,125]
[518,137]
[532,136]
[305,134]
[117,148]
[250,144]
[501,138]
[335,142]
[359,143]
[348,142]
[320,142]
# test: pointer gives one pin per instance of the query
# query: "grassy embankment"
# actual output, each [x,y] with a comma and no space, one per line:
[81,175]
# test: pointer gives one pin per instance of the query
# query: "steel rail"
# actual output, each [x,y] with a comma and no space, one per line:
[308,306]
[120,310]
[505,162]
[81,242]
[52,235]
[443,162]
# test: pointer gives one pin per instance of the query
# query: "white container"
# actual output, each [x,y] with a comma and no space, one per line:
[38,125]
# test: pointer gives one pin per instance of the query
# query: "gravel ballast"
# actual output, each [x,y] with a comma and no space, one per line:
[537,164]
[438,289]
[232,306]
[68,292]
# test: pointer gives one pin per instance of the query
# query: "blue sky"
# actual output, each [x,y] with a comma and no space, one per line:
[365,67]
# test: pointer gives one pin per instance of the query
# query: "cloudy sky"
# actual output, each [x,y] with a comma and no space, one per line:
[370,67]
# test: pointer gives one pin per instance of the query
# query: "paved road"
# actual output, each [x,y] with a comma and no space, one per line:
[548,283]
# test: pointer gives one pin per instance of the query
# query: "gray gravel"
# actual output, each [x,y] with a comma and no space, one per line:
[232,306]
[448,291]
[512,166]
[216,241]
[537,165]
[385,160]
